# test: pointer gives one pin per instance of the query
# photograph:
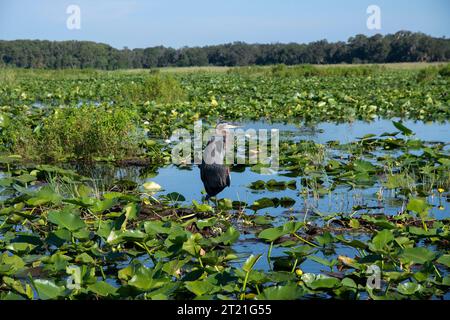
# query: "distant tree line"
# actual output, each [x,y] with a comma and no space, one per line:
[403,46]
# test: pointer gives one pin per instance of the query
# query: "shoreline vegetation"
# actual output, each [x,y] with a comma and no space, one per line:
[78,72]
[403,46]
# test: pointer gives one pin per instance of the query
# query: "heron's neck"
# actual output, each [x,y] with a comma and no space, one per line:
[214,152]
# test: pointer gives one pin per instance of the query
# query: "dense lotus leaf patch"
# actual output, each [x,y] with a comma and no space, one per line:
[116,245]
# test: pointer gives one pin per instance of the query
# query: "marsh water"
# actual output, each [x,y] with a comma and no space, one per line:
[186,181]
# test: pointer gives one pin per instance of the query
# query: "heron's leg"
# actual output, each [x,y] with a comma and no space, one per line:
[213,201]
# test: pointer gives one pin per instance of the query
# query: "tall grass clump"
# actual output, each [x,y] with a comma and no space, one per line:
[8,77]
[85,133]
[281,70]
[90,132]
[433,72]
[427,74]
[444,71]
[154,87]
[17,136]
[307,70]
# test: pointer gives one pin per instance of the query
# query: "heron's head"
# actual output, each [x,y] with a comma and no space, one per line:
[223,127]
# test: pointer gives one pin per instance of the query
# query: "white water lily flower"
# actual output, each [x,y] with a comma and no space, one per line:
[151,186]
[372,108]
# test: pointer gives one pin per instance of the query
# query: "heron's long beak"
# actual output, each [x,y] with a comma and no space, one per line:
[231,126]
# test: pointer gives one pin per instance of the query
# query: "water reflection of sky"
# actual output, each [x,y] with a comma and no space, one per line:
[188,183]
[347,132]
[187,180]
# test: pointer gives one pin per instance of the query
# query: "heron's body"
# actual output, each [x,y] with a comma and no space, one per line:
[215,178]
[214,173]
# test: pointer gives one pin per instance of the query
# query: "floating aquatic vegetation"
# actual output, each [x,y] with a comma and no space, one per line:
[67,236]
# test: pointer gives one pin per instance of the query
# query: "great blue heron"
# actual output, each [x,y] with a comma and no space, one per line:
[214,173]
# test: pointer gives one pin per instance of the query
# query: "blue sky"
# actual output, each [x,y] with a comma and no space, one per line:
[176,23]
